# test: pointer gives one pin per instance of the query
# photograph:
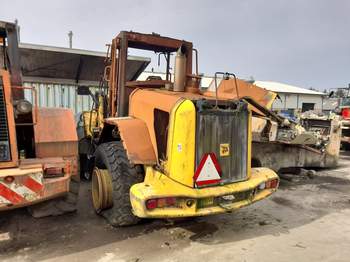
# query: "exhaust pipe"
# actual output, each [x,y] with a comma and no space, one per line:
[180,70]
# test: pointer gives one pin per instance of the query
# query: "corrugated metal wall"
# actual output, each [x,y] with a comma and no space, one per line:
[59,95]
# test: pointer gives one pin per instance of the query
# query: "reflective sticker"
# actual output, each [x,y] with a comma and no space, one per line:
[208,171]
[4,201]
[179,147]
[26,189]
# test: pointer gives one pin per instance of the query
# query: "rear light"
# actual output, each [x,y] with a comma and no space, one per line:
[271,183]
[151,204]
[161,202]
[346,113]
[9,179]
[53,171]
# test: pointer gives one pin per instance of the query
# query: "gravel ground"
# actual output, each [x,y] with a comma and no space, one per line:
[306,220]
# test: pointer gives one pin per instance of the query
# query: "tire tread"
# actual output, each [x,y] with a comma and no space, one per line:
[112,155]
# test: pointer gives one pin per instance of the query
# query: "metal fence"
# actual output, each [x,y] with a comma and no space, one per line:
[58,95]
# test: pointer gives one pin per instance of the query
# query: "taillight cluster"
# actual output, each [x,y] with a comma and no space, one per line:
[269,184]
[53,171]
[346,113]
[161,202]
[272,183]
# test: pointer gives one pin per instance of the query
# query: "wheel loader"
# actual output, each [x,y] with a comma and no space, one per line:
[165,150]
[38,146]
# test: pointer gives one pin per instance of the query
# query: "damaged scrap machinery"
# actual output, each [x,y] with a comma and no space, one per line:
[280,143]
[165,149]
[38,147]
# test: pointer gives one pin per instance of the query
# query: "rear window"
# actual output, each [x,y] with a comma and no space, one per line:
[161,125]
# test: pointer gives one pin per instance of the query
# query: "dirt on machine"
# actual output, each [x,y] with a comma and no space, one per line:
[38,146]
[163,148]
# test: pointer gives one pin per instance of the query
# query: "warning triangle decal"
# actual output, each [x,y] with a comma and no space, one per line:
[208,171]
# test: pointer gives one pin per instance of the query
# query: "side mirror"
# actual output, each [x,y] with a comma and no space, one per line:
[83,91]
[331,94]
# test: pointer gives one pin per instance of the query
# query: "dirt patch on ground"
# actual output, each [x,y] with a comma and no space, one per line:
[290,225]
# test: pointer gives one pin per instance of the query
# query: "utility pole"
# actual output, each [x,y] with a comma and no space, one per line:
[18,30]
[70,36]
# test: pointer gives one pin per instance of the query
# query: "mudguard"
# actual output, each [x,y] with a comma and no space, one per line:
[135,137]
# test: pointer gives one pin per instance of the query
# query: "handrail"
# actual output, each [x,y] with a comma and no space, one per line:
[226,75]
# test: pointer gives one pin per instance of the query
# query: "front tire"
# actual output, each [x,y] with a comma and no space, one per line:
[112,156]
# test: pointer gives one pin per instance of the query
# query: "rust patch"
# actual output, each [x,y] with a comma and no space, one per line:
[227,90]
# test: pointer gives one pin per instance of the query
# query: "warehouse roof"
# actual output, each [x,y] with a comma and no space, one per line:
[284,88]
[60,64]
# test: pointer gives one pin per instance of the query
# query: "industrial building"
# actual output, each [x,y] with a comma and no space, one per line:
[293,97]
[55,73]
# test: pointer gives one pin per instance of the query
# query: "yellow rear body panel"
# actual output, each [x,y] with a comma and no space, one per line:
[181,143]
[158,185]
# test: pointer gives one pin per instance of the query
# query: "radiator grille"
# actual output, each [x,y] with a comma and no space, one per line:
[216,127]
[4,134]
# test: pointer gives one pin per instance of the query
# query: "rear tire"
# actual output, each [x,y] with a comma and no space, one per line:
[59,206]
[112,156]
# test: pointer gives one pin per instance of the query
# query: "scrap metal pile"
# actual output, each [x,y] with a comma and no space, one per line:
[281,143]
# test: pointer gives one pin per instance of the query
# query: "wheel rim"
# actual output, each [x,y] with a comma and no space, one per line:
[101,189]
